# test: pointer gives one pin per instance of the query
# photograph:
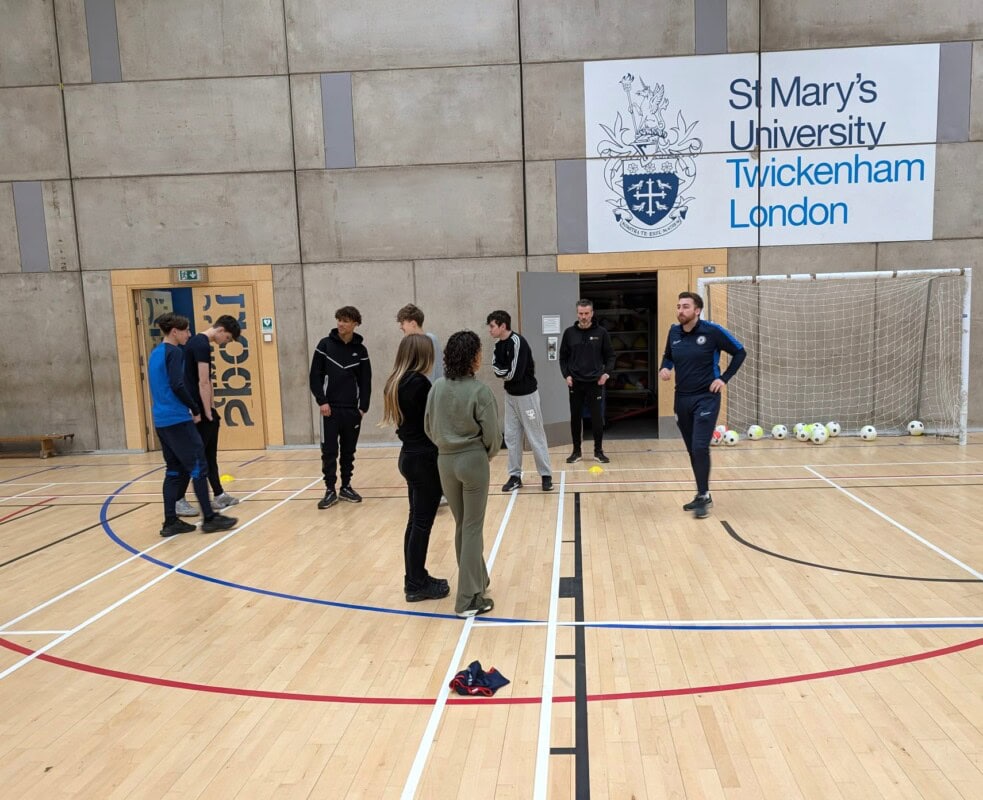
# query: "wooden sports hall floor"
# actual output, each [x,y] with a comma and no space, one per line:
[817,636]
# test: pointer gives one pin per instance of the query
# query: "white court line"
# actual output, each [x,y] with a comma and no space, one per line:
[541,783]
[735,623]
[32,633]
[67,592]
[426,742]
[15,496]
[900,527]
[95,617]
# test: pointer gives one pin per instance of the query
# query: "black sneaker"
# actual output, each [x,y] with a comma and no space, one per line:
[514,482]
[478,605]
[349,494]
[574,457]
[219,522]
[702,508]
[433,589]
[547,483]
[599,456]
[329,499]
[698,500]
[175,527]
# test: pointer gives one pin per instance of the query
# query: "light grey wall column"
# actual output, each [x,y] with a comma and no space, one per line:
[100,23]
[338,120]
[571,206]
[710,26]
[955,88]
[32,235]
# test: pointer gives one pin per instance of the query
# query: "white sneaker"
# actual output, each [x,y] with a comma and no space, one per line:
[443,501]
[185,509]
[224,500]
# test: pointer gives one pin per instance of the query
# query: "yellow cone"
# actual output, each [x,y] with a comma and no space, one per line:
[595,470]
[226,479]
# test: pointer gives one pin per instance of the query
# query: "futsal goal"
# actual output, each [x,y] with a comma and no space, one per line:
[862,348]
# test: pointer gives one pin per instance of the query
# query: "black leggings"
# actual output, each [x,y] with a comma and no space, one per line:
[208,431]
[696,417]
[185,460]
[591,393]
[423,488]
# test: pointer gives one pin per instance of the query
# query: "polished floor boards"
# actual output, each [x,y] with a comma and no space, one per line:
[818,635]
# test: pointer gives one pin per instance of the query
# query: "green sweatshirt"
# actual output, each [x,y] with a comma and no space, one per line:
[462,415]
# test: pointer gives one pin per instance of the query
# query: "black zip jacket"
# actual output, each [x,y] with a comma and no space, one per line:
[586,353]
[340,373]
[412,397]
[513,361]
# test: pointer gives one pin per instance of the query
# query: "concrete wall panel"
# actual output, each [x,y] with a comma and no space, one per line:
[742,261]
[224,125]
[28,55]
[49,356]
[337,35]
[59,221]
[327,287]
[795,259]
[203,219]
[200,38]
[742,25]
[794,24]
[553,95]
[305,102]
[571,30]
[101,338]
[976,99]
[958,176]
[32,130]
[457,115]
[73,41]
[541,207]
[541,264]
[9,246]
[412,212]
[465,291]
[290,328]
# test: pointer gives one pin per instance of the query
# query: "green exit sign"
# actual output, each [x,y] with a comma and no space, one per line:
[189,274]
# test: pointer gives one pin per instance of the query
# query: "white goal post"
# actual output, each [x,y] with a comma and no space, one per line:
[859,348]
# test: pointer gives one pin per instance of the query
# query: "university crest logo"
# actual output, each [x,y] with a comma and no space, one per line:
[649,168]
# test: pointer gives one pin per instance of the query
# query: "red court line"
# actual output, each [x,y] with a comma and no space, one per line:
[25,508]
[426,701]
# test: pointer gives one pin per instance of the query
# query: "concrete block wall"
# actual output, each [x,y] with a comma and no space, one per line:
[375,153]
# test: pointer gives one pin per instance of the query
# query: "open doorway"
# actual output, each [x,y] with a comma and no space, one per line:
[626,304]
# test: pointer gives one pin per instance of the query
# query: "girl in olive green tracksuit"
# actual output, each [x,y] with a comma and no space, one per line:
[462,420]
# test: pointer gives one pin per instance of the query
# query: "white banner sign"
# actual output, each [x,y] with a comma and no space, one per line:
[821,146]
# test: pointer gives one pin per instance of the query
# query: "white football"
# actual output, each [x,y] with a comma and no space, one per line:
[833,428]
[868,433]
[916,428]
[819,434]
[731,438]
[779,432]
[755,432]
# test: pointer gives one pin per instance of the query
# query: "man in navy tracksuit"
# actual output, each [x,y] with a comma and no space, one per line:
[341,382]
[693,350]
[175,414]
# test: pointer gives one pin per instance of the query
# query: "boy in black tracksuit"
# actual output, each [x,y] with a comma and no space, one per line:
[586,361]
[341,382]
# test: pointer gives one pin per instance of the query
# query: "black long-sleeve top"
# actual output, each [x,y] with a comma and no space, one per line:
[412,398]
[513,361]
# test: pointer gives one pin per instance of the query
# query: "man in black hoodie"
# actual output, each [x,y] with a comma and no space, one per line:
[586,361]
[341,382]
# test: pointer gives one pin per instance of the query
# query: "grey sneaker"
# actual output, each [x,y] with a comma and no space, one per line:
[184,509]
[478,605]
[698,500]
[224,500]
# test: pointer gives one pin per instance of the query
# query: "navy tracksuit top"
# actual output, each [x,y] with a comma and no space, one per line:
[695,356]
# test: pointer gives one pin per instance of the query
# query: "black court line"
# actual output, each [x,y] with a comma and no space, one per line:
[29,474]
[574,587]
[736,537]
[19,517]
[70,536]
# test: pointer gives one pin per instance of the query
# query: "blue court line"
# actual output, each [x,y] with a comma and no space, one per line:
[104,519]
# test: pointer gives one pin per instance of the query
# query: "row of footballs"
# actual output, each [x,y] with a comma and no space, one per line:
[817,433]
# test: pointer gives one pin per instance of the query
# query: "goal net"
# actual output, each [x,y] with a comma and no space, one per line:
[870,348]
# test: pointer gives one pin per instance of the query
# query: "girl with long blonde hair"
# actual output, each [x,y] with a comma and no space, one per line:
[404,402]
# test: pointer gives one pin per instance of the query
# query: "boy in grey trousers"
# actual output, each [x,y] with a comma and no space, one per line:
[513,362]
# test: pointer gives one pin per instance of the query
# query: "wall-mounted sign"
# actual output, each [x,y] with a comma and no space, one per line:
[801,147]
[266,324]
[189,275]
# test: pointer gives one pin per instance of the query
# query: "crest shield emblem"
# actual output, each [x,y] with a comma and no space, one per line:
[650,195]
